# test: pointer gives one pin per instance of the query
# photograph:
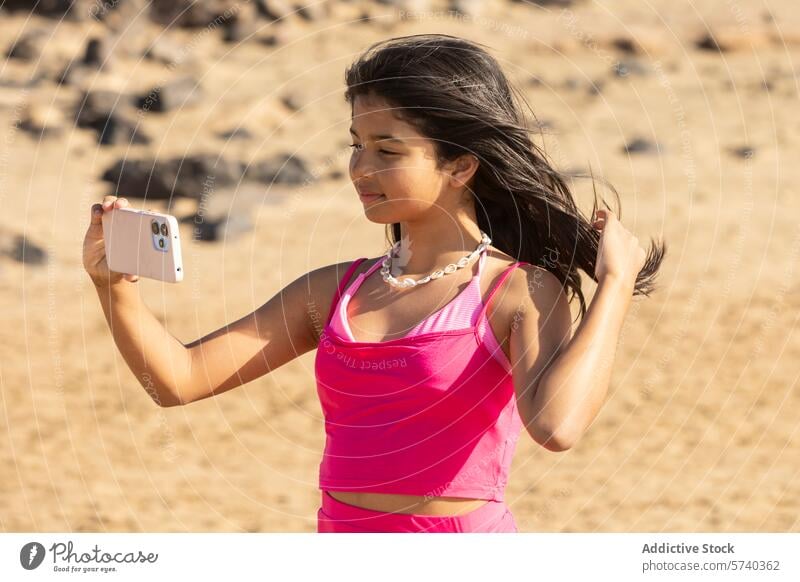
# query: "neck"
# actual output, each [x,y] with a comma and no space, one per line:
[432,242]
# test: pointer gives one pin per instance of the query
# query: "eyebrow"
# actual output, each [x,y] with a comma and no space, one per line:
[381,137]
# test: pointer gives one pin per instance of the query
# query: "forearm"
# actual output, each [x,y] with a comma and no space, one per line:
[158,360]
[572,390]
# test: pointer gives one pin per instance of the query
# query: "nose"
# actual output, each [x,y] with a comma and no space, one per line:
[361,166]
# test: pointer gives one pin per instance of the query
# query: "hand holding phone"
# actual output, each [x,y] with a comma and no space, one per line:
[124,243]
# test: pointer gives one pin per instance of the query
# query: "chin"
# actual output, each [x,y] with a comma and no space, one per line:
[380,215]
[379,211]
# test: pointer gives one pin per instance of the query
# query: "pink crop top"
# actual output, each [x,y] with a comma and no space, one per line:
[432,413]
[461,312]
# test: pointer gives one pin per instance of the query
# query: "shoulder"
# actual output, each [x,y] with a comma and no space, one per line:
[323,282]
[328,277]
[543,316]
[524,279]
[535,281]
[531,291]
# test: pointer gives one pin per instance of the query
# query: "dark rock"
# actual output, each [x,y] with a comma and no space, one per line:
[280,169]
[626,45]
[293,101]
[98,53]
[745,152]
[239,29]
[242,25]
[192,13]
[709,43]
[642,146]
[235,133]
[111,116]
[274,9]
[177,93]
[22,250]
[74,10]
[190,177]
[628,67]
[28,46]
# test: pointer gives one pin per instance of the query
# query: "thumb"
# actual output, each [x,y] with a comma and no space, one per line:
[97,215]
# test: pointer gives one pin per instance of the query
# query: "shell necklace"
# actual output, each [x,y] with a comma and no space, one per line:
[438,273]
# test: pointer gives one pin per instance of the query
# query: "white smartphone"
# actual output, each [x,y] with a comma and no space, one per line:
[143,243]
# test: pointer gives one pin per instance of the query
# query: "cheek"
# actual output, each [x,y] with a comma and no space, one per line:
[410,180]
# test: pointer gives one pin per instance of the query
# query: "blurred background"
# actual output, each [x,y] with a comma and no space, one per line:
[230,115]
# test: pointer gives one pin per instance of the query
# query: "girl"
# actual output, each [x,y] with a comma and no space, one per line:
[427,371]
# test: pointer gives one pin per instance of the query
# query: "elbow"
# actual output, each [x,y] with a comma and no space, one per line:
[163,397]
[556,441]
[170,399]
[170,403]
[557,444]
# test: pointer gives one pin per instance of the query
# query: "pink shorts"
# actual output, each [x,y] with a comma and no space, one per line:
[337,517]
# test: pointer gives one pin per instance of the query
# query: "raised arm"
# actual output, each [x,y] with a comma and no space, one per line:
[252,346]
[175,374]
[561,382]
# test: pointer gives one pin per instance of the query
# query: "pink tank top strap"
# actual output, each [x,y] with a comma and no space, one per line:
[497,286]
[340,289]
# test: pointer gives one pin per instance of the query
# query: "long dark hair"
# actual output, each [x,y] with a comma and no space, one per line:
[455,93]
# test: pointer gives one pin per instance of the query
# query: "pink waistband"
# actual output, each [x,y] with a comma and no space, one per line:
[336,516]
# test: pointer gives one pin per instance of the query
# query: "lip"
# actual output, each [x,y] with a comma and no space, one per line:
[368,196]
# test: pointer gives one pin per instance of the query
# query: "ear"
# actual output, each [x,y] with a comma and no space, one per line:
[461,170]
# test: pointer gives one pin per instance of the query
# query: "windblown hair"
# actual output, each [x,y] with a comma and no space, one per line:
[455,93]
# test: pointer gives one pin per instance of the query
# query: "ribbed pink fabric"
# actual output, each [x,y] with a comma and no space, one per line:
[432,414]
[459,313]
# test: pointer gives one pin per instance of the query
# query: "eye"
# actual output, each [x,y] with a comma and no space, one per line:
[388,153]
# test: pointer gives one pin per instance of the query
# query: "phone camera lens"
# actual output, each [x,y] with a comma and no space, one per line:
[164,230]
[161,243]
[154,226]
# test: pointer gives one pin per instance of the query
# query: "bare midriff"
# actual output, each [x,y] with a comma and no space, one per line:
[416,504]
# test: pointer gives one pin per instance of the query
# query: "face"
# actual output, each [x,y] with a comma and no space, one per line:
[393,166]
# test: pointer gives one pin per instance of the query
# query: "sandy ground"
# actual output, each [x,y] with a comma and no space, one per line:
[700,430]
